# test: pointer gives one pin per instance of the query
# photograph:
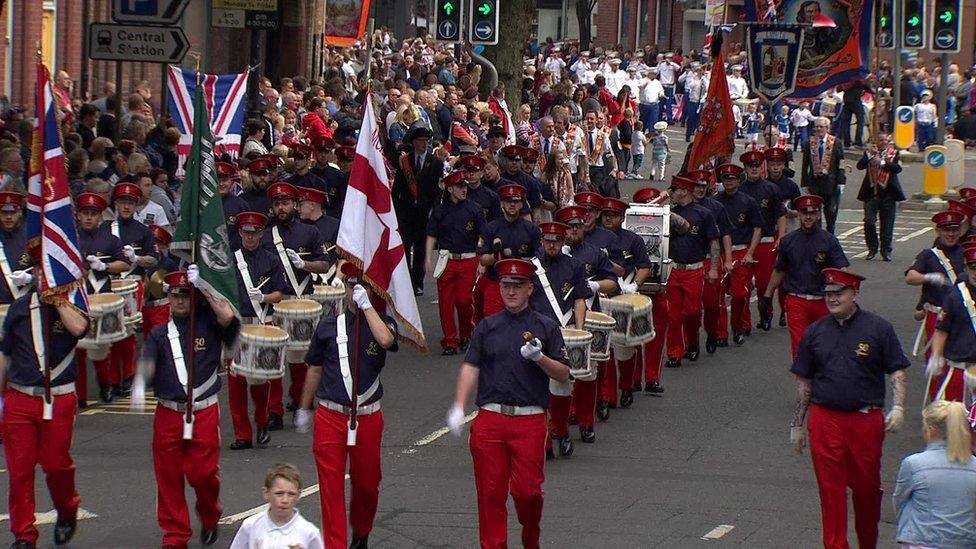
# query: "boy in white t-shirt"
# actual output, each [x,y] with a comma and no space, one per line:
[281,526]
[639,140]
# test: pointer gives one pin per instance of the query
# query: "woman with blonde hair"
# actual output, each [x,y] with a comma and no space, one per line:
[935,494]
[558,177]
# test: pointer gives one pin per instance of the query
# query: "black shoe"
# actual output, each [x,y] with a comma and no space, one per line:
[208,537]
[653,388]
[885,257]
[626,399]
[463,345]
[587,435]
[275,423]
[603,410]
[449,351]
[739,338]
[765,324]
[64,530]
[23,544]
[637,387]
[870,255]
[572,419]
[125,389]
[692,352]
[710,345]
[720,343]
[359,542]
[550,454]
[106,393]
[673,363]
[782,320]
[82,404]
[565,447]
[264,437]
[241,445]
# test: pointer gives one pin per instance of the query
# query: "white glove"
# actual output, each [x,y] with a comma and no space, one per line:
[193,274]
[361,297]
[96,264]
[455,419]
[594,285]
[895,419]
[937,279]
[338,283]
[303,420]
[532,350]
[254,294]
[567,251]
[138,398]
[935,366]
[21,278]
[295,259]
[798,438]
[130,253]
[628,288]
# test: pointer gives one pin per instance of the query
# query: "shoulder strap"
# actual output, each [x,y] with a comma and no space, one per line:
[117,233]
[341,339]
[249,285]
[279,245]
[550,294]
[967,301]
[946,264]
[37,331]
[5,269]
[176,349]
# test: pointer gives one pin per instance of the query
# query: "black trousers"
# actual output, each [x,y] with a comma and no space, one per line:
[883,208]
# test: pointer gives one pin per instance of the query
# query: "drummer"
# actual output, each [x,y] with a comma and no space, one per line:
[330,381]
[13,257]
[954,341]
[176,459]
[652,355]
[301,252]
[474,169]
[155,306]
[227,179]
[595,233]
[637,267]
[713,293]
[773,227]
[256,195]
[260,283]
[560,293]
[103,252]
[139,246]
[311,210]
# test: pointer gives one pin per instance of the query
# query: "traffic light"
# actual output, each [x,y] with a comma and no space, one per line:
[447,20]
[946,28]
[913,24]
[483,26]
[884,24]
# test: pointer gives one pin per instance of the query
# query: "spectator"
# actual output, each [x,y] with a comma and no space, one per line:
[77,167]
[253,147]
[315,125]
[107,122]
[12,171]
[87,122]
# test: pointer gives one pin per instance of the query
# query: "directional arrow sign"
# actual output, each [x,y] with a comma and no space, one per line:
[138,43]
[484,9]
[946,16]
[914,21]
[448,8]
[152,12]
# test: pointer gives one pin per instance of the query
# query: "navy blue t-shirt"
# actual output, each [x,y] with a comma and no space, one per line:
[743,213]
[15,248]
[955,321]
[926,262]
[456,226]
[302,238]
[804,255]
[104,245]
[17,344]
[265,270]
[488,200]
[135,234]
[568,283]
[693,246]
[767,195]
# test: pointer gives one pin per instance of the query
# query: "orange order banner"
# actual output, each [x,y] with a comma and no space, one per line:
[345,21]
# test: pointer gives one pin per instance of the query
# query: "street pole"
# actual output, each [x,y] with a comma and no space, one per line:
[896,74]
[941,101]
[85,62]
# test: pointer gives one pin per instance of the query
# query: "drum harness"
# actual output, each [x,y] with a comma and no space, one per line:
[550,295]
[5,268]
[37,325]
[176,349]
[967,301]
[951,273]
[342,338]
[259,308]
[117,233]
[289,269]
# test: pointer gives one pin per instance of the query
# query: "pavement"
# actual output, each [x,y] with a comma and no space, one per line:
[709,459]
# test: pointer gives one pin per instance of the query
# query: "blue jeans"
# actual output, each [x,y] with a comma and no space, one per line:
[638,160]
[925,135]
[884,208]
[692,119]
[649,114]
[668,103]
[801,136]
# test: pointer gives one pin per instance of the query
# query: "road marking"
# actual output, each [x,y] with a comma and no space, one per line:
[50,517]
[436,435]
[912,235]
[94,411]
[849,232]
[718,532]
[231,519]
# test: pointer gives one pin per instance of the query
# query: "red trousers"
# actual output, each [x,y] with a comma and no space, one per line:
[237,390]
[29,440]
[508,455]
[331,455]
[931,320]
[584,399]
[81,380]
[846,452]
[492,297]
[653,353]
[684,309]
[276,405]
[626,360]
[177,462]
[120,364]
[713,304]
[800,314]
[559,415]
[954,388]
[765,261]
[454,288]
[740,288]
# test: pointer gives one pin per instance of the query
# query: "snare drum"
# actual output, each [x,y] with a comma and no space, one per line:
[107,324]
[600,325]
[634,323]
[299,318]
[578,352]
[330,297]
[261,354]
[126,289]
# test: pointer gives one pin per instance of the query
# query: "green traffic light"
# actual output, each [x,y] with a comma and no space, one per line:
[914,20]
[448,7]
[884,21]
[946,16]
[484,8]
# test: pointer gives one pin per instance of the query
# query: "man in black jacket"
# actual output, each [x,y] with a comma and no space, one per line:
[880,192]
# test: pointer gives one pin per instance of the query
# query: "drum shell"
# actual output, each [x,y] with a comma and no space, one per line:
[299,318]
[107,321]
[577,344]
[330,297]
[261,353]
[633,314]
[600,325]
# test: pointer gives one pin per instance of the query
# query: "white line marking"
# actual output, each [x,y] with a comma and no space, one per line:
[50,517]
[231,519]
[718,532]
[436,435]
[912,235]
[849,232]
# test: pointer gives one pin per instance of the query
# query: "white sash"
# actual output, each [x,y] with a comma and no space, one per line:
[96,283]
[5,268]
[249,285]
[116,232]
[946,264]
[37,325]
[341,339]
[967,301]
[550,295]
[286,263]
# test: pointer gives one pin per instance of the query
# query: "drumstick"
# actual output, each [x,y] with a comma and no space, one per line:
[330,248]
[527,337]
[263,282]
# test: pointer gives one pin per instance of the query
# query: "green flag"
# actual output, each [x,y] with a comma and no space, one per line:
[201,232]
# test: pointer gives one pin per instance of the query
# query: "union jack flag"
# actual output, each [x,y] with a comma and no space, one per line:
[224,95]
[50,215]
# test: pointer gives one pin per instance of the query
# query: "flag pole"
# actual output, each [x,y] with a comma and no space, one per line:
[48,405]
[191,359]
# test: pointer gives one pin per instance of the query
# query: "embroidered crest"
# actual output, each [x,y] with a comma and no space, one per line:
[373,349]
[820,258]
[863,349]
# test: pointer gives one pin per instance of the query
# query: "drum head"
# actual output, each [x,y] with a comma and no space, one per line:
[298,306]
[634,300]
[259,331]
[104,302]
[124,286]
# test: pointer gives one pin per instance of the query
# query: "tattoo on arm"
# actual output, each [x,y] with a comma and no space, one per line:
[898,388]
[802,402]
[716,252]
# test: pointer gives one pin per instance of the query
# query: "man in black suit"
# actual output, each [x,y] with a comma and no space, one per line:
[415,192]
[880,192]
[822,173]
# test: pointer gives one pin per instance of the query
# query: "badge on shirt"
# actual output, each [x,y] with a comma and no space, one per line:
[567,287]
[469,226]
[820,258]
[693,229]
[863,349]
[742,218]
[25,261]
[58,327]
[764,202]
[523,249]
[373,349]
[199,343]
[232,220]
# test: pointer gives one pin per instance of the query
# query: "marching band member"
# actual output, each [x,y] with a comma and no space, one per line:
[329,381]
[966,227]
[156,311]
[773,228]
[302,177]
[800,260]
[335,179]
[511,235]
[560,293]
[652,353]
[744,213]
[186,452]
[508,435]
[300,253]
[935,269]
[600,279]
[256,195]
[777,173]
[954,340]
[13,256]
[33,432]
[454,226]
[488,199]
[686,282]
[227,176]
[310,208]
[637,267]
[713,293]
[260,282]
[512,157]
[140,251]
[840,371]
